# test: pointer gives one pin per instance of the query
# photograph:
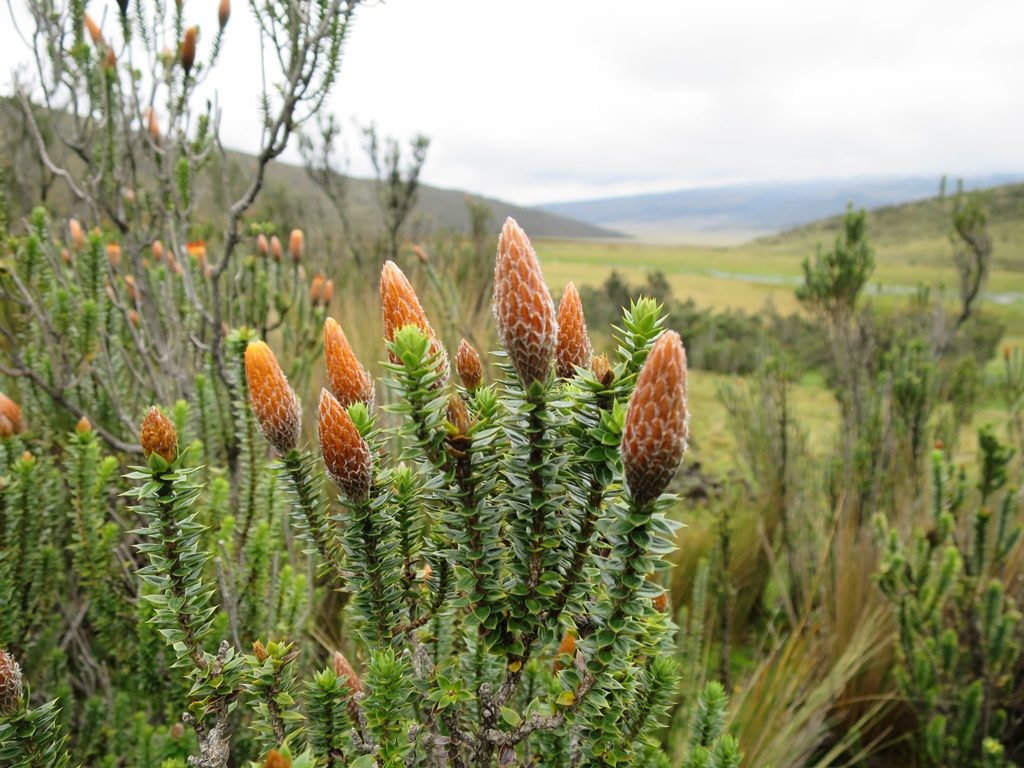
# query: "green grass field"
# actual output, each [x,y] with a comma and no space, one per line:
[912,249]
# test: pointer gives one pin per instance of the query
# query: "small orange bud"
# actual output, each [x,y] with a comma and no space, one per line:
[523,307]
[346,454]
[273,401]
[427,572]
[131,288]
[1006,353]
[344,670]
[660,602]
[296,245]
[420,253]
[65,255]
[197,250]
[602,370]
[114,254]
[27,457]
[94,32]
[657,422]
[468,364]
[349,381]
[328,293]
[188,49]
[157,249]
[152,124]
[83,426]
[275,247]
[177,731]
[572,349]
[939,445]
[262,245]
[458,415]
[260,651]
[316,289]
[12,412]
[224,13]
[567,646]
[11,688]
[277,760]
[76,234]
[158,435]
[401,308]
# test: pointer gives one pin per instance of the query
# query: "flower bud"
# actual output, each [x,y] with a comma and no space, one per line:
[567,646]
[158,435]
[83,426]
[114,254]
[260,651]
[401,308]
[262,245]
[468,364]
[328,294]
[157,249]
[602,369]
[660,602]
[572,349]
[344,670]
[349,381]
[276,759]
[11,411]
[188,49]
[346,454]
[275,247]
[296,245]
[76,234]
[65,255]
[153,125]
[458,415]
[523,307]
[274,402]
[224,13]
[316,289]
[177,731]
[657,422]
[11,688]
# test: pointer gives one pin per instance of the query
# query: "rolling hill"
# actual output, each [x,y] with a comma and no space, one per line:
[732,214]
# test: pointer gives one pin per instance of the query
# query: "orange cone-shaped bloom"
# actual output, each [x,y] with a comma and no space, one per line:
[346,454]
[401,308]
[349,381]
[158,435]
[573,347]
[468,364]
[274,402]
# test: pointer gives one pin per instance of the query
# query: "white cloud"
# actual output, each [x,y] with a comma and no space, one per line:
[551,99]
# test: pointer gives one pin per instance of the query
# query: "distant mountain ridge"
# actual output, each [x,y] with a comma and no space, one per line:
[749,210]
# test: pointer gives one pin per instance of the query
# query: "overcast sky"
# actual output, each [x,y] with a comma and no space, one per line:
[543,100]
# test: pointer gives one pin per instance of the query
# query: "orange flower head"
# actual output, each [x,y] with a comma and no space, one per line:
[153,124]
[12,412]
[296,245]
[276,759]
[11,688]
[84,426]
[602,369]
[573,347]
[523,306]
[458,415]
[401,308]
[260,651]
[158,435]
[567,646]
[224,13]
[328,293]
[157,249]
[273,400]
[316,289]
[275,247]
[349,381]
[188,49]
[114,254]
[344,670]
[346,454]
[657,422]
[76,234]
[660,602]
[467,363]
[262,245]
